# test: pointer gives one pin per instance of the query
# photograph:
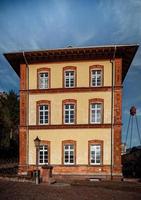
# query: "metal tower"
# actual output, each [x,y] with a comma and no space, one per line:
[132,118]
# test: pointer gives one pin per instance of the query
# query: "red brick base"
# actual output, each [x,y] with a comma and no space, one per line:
[80,169]
[22,170]
[81,172]
[67,173]
[69,178]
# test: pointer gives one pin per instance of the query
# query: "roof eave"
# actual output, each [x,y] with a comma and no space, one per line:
[126,52]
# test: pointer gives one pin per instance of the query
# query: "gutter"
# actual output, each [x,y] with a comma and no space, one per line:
[112,61]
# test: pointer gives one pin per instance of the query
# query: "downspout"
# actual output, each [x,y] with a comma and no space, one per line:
[112,61]
[27,108]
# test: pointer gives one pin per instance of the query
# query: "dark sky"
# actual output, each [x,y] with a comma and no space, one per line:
[49,24]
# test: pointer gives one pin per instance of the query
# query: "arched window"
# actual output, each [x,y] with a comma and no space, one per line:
[69,77]
[95,154]
[96,108]
[43,78]
[43,112]
[69,111]
[69,152]
[44,152]
[96,76]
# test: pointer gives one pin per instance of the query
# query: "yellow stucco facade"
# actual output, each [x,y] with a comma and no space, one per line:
[82,105]
[57,73]
[81,136]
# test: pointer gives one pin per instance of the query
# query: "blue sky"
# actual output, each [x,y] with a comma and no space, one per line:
[44,24]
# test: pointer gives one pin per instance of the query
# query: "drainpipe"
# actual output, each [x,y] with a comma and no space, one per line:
[112,61]
[27,107]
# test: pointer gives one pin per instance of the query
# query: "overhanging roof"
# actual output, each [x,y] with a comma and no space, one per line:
[126,52]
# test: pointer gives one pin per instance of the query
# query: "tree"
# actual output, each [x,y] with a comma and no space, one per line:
[9,121]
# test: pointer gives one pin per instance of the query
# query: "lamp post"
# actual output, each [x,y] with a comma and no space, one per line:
[37,144]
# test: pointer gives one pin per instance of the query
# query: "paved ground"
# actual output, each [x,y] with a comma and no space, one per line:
[83,191]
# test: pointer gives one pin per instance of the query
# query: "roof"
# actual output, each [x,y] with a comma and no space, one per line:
[126,52]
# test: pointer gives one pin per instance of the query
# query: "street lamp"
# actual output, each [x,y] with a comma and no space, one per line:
[37,145]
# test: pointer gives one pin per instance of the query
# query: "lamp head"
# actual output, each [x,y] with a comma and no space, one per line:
[37,142]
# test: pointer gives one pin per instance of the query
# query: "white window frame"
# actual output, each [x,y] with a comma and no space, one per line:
[95,154]
[44,113]
[43,149]
[69,80]
[95,76]
[69,151]
[94,113]
[43,81]
[69,112]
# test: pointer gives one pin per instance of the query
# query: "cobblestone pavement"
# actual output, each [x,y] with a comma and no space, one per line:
[26,191]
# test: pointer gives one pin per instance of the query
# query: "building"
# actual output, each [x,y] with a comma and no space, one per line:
[71,99]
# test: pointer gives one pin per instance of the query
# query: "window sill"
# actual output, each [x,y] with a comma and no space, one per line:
[69,124]
[43,124]
[42,164]
[96,86]
[95,165]
[69,165]
[96,123]
[43,88]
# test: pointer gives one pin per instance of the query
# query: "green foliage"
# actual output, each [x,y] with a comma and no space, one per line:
[9,120]
[131,163]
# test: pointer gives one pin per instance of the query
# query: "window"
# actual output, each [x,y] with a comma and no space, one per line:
[95,152]
[69,111]
[69,77]
[69,148]
[96,111]
[69,154]
[43,154]
[43,112]
[43,78]
[96,76]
